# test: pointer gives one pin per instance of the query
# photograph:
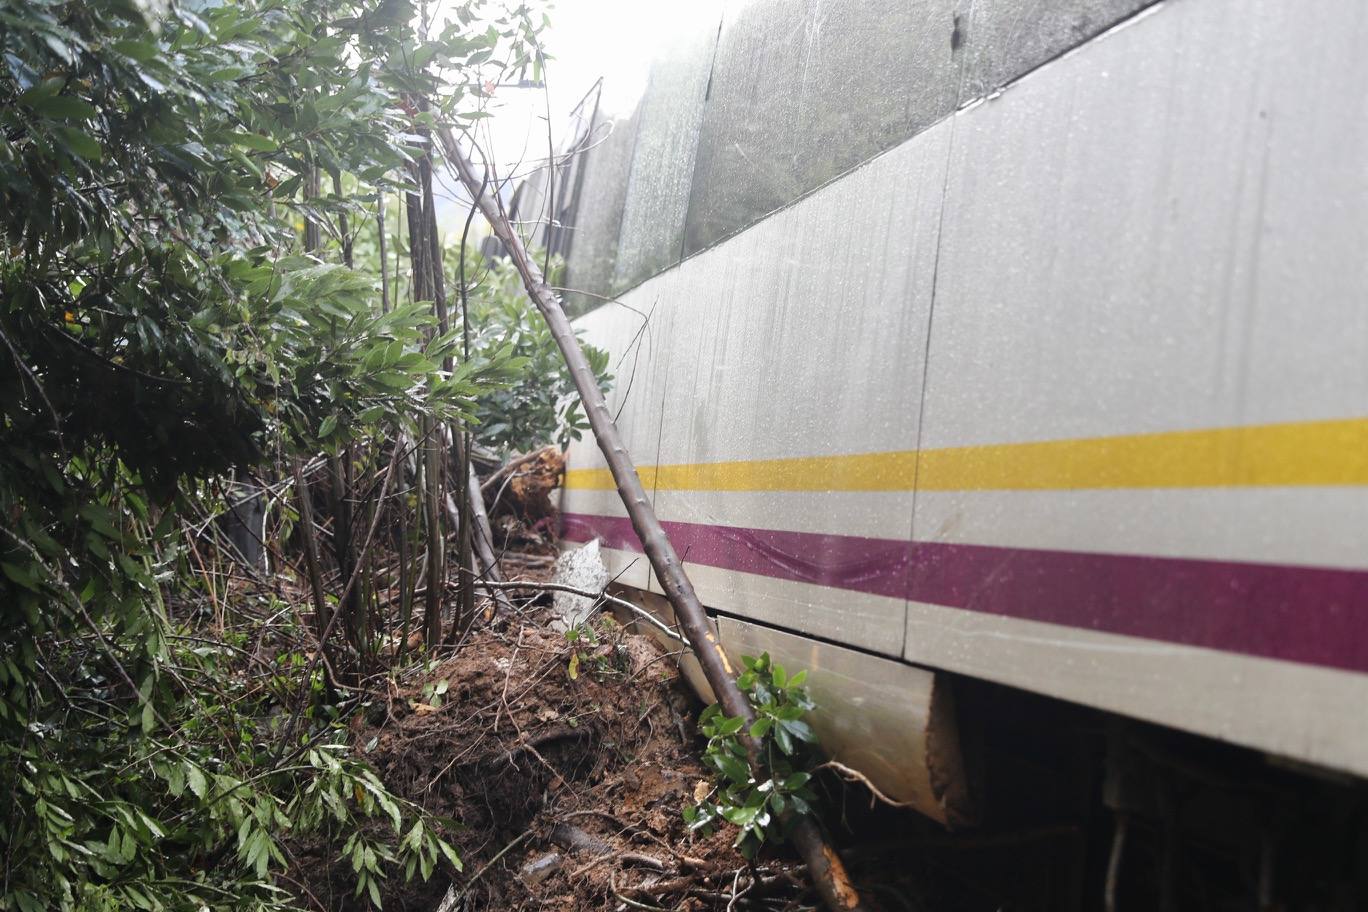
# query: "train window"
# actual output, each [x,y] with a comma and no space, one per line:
[594,216]
[1008,38]
[529,207]
[670,114]
[802,91]
[738,121]
[560,199]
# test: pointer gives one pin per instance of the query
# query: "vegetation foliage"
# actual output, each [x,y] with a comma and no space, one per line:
[784,744]
[181,299]
[514,416]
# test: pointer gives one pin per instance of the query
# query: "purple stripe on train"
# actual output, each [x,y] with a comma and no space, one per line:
[1311,615]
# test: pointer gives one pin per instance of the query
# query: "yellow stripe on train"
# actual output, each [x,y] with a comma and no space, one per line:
[1293,454]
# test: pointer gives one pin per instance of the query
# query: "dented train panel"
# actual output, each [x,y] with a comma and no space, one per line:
[1066,389]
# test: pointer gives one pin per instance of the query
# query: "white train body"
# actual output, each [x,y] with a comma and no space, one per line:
[1063,384]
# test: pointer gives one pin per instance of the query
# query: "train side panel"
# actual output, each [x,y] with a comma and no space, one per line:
[1067,391]
[1151,242]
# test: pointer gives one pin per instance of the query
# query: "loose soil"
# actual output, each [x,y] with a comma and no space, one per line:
[565,767]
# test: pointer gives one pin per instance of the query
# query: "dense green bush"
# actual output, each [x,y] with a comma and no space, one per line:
[753,799]
[159,326]
[538,405]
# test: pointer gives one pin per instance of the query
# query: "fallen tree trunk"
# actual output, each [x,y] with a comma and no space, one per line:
[488,562]
[828,873]
[513,465]
[484,535]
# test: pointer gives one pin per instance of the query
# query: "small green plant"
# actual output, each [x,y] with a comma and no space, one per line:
[345,793]
[585,639]
[433,692]
[783,747]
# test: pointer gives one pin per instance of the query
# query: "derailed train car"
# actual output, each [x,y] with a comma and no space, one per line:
[1006,365]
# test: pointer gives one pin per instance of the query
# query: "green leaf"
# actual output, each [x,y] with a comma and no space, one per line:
[394,380]
[83,144]
[254,141]
[194,777]
[730,726]
[259,853]
[450,854]
[175,779]
[22,574]
[244,833]
[141,51]
[62,107]
[137,897]
[740,815]
[734,769]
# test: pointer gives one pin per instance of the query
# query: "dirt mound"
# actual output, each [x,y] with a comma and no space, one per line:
[533,483]
[518,499]
[566,766]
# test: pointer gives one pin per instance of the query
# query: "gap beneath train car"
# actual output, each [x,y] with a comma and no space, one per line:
[1082,810]
[1078,809]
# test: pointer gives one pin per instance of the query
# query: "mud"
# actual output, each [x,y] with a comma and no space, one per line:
[564,767]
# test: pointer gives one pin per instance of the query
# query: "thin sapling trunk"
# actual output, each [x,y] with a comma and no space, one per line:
[828,872]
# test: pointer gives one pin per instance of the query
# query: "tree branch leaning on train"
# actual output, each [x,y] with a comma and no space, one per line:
[828,873]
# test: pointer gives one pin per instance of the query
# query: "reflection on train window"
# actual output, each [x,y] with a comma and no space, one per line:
[595,228]
[662,166]
[801,93]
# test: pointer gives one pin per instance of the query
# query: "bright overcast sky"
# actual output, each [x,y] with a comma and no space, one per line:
[588,39]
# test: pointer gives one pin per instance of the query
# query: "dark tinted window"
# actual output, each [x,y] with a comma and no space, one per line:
[787,95]
[804,90]
[529,211]
[597,211]
[670,116]
[1009,38]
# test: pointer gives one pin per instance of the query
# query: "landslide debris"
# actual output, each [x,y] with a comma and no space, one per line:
[564,763]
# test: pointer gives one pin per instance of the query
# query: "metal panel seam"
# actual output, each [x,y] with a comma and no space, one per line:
[930,327]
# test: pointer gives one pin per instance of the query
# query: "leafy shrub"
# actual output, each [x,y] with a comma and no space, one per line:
[157,329]
[539,405]
[783,741]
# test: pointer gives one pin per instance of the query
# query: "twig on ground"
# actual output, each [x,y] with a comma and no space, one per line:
[736,878]
[642,613]
[612,882]
[452,900]
[854,775]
